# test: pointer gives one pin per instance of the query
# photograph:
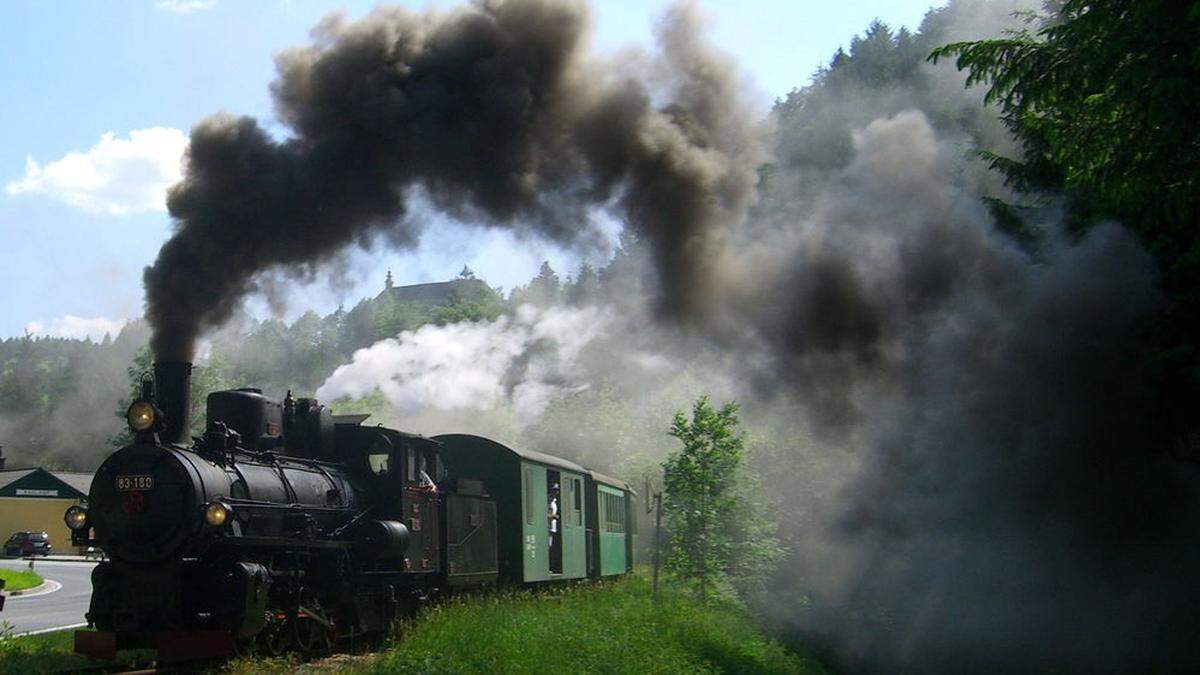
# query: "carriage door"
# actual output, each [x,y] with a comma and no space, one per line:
[554,508]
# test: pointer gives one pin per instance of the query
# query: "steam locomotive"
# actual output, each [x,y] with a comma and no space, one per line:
[286,527]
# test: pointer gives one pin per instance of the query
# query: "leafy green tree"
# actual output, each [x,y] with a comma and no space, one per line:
[719,534]
[1104,97]
[470,300]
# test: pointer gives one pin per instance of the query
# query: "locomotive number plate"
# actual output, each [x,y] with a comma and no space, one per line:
[125,483]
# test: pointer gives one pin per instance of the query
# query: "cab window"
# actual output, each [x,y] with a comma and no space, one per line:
[380,463]
[379,456]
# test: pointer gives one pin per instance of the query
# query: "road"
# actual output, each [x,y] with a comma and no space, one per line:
[59,608]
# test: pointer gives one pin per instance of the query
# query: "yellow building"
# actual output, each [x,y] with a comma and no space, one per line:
[33,500]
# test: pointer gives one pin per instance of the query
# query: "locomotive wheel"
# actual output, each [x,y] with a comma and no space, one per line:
[311,636]
[245,647]
[275,640]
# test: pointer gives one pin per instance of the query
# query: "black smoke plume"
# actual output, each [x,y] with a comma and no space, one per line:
[982,495]
[493,111]
[1001,504]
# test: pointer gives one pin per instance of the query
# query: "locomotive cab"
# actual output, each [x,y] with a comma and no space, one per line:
[403,471]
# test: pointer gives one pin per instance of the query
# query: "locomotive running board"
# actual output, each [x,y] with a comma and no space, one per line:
[173,647]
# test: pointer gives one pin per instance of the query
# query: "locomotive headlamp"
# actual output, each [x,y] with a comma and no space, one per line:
[217,514]
[141,416]
[76,517]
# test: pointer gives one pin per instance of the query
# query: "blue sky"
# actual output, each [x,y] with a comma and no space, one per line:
[97,99]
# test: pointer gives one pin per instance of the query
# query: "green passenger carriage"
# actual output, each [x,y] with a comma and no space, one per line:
[555,519]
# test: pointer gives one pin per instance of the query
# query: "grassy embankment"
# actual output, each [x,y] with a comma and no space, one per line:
[19,581]
[611,627]
[47,653]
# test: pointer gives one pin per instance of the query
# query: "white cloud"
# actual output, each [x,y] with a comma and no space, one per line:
[185,6]
[70,326]
[117,175]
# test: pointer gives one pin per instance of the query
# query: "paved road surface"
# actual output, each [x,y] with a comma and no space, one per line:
[63,607]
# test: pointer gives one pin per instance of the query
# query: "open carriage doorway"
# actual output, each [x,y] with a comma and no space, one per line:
[554,520]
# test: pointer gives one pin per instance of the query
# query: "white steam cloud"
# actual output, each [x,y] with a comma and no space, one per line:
[526,360]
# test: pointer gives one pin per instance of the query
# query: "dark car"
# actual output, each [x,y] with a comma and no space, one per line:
[28,543]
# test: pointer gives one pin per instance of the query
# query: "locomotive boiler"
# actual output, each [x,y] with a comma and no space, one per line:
[286,527]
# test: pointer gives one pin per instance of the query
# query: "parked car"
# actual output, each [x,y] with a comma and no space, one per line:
[28,543]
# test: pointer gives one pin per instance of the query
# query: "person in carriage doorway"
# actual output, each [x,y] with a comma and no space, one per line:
[552,513]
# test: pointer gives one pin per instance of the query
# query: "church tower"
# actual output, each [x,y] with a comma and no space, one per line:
[387,283]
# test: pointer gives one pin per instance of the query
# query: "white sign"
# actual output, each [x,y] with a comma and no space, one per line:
[36,493]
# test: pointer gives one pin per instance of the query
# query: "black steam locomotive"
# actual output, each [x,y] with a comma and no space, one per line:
[286,527]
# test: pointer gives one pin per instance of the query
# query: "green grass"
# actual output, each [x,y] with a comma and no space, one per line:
[19,581]
[48,652]
[54,653]
[613,627]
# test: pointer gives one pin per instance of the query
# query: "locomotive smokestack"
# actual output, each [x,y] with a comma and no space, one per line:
[172,393]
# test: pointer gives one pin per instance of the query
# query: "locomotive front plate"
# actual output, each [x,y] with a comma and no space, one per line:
[139,482]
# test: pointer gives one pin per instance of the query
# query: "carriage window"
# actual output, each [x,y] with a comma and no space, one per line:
[411,455]
[577,496]
[613,510]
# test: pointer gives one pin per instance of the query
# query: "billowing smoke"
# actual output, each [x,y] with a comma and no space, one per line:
[496,113]
[979,495]
[1006,511]
[958,454]
[526,361]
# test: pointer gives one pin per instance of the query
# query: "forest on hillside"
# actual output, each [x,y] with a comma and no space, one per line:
[62,400]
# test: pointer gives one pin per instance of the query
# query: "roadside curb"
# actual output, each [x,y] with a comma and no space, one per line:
[55,558]
[53,629]
[23,591]
[47,586]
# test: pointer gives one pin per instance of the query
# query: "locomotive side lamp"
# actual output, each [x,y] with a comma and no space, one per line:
[76,517]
